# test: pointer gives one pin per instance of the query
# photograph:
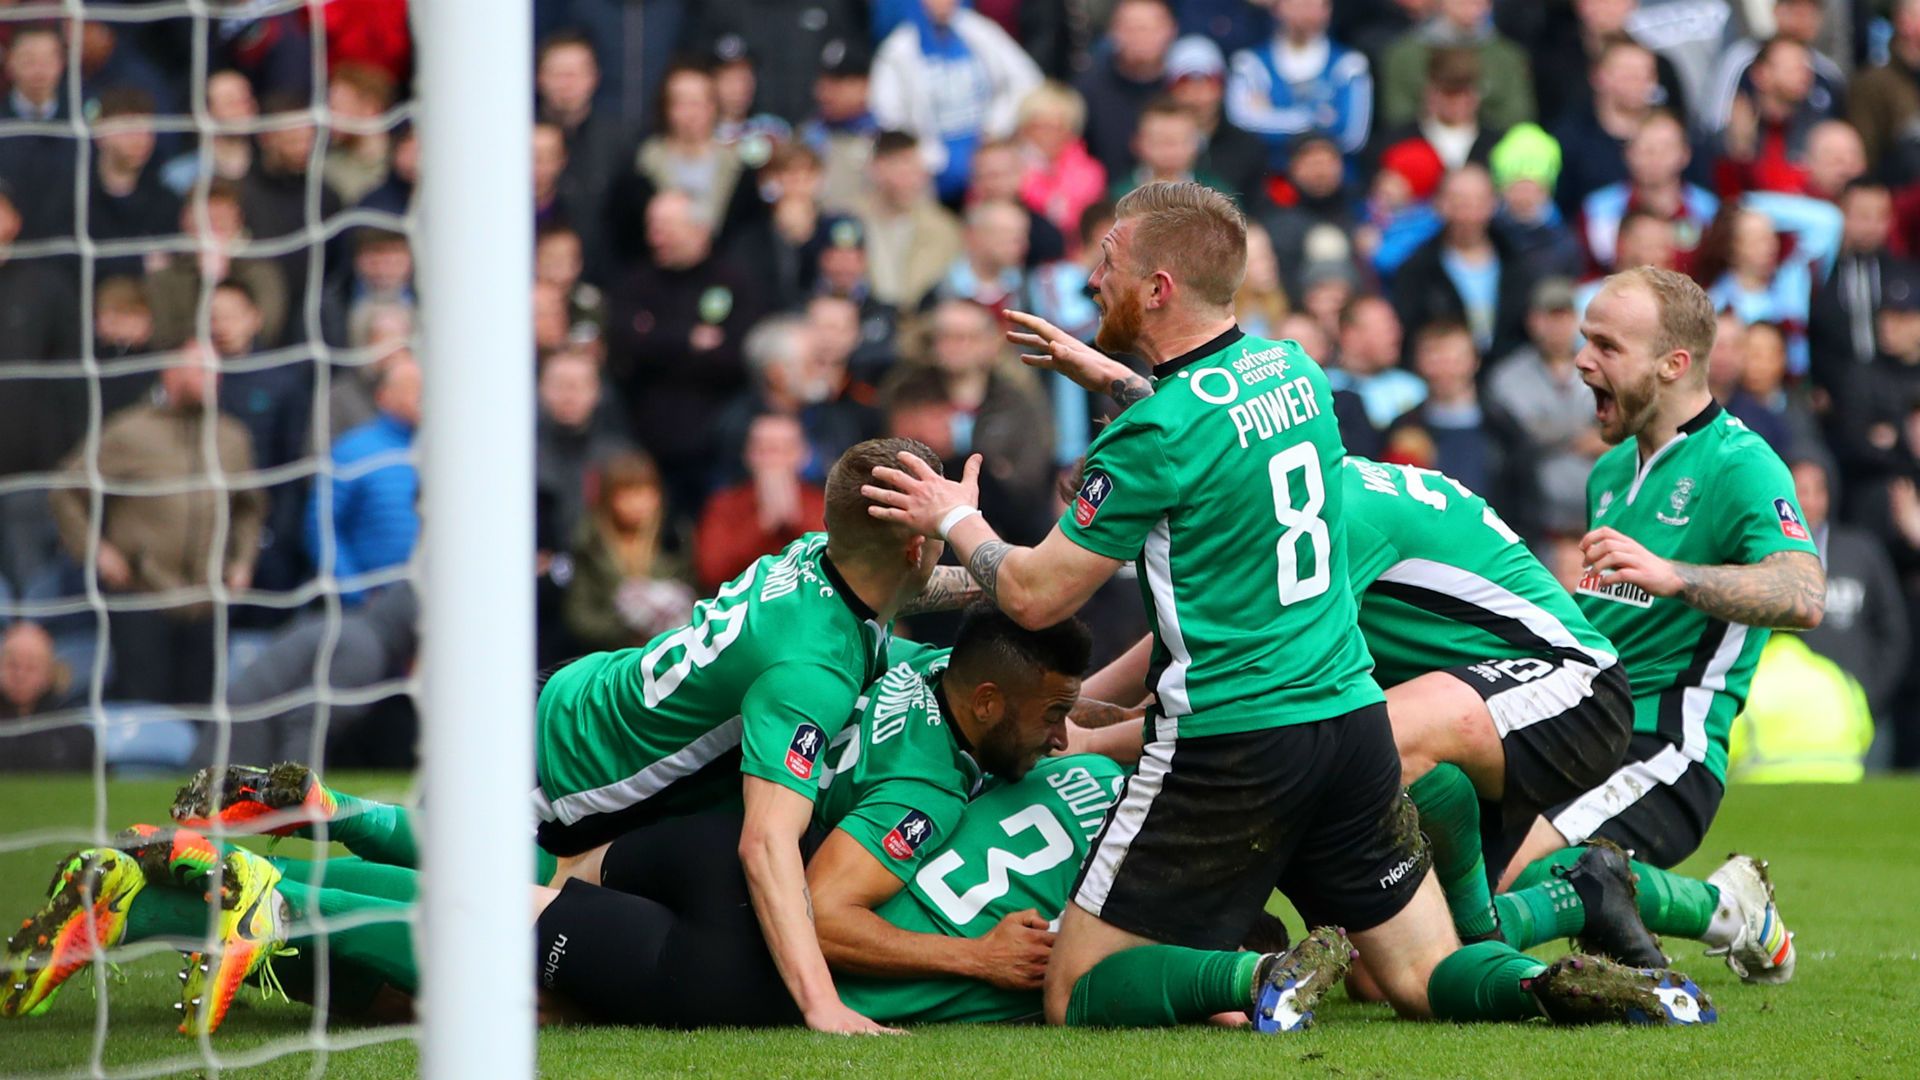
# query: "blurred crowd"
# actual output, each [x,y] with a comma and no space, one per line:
[769,229]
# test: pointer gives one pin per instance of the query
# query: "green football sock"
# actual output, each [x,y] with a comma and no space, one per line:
[1540,871]
[1675,905]
[1482,982]
[1161,985]
[375,831]
[1541,913]
[355,875]
[1450,816]
[166,913]
[385,948]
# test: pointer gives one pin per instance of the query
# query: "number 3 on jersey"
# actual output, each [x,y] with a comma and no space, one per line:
[1302,522]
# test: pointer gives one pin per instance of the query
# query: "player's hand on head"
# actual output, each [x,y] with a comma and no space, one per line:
[837,1019]
[919,498]
[1619,557]
[1013,955]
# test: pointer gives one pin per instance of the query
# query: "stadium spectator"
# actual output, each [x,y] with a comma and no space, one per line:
[175,285]
[1538,386]
[1798,21]
[1167,145]
[554,201]
[573,434]
[126,200]
[1657,156]
[626,587]
[1865,629]
[783,381]
[376,642]
[381,275]
[1449,119]
[1301,82]
[953,79]
[842,276]
[1127,70]
[674,342]
[111,57]
[736,85]
[40,322]
[1058,292]
[559,260]
[366,517]
[122,330]
[1369,361]
[395,194]
[1455,432]
[999,174]
[275,402]
[1840,321]
[567,82]
[1740,262]
[1357,432]
[787,42]
[842,128]
[1327,287]
[386,333]
[911,240]
[1525,164]
[1467,272]
[1883,101]
[786,236]
[1764,400]
[160,543]
[1196,80]
[685,153]
[848,409]
[274,196]
[360,145]
[1505,83]
[1061,178]
[1835,158]
[230,104]
[1561,55]
[764,513]
[991,270]
[38,168]
[1316,198]
[1645,240]
[35,682]
[1593,138]
[1261,301]
[1764,146]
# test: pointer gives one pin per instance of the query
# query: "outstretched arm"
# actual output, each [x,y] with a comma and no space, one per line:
[1053,349]
[1038,586]
[1787,590]
[949,589]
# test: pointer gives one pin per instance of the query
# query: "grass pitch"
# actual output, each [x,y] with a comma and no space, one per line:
[1846,861]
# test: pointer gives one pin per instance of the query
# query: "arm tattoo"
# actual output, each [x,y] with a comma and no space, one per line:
[806,894]
[949,589]
[1786,589]
[1129,390]
[1093,713]
[985,566]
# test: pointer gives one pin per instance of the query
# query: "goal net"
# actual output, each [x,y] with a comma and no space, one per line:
[230,289]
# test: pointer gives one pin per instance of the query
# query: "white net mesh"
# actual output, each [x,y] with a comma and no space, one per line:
[188,567]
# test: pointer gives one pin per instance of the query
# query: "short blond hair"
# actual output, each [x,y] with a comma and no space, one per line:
[1686,316]
[1191,231]
[1058,98]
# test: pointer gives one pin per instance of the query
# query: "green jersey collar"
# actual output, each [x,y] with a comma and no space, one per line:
[847,596]
[1701,419]
[1226,337]
[1699,422]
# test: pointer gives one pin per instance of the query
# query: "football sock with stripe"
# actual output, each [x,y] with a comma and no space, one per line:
[1450,816]
[1481,982]
[1670,904]
[354,875]
[1162,985]
[375,831]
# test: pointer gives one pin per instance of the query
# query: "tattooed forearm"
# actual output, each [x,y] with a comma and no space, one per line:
[1129,390]
[1787,590]
[949,589]
[1093,713]
[984,565]
[807,895]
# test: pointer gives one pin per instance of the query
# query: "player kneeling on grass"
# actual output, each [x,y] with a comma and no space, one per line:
[1697,549]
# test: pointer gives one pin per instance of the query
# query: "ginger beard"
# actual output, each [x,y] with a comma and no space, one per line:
[1122,317]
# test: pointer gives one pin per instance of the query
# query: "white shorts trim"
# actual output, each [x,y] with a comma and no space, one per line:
[1129,814]
[1633,782]
[1554,694]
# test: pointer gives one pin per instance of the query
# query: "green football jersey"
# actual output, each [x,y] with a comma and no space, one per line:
[1717,494]
[1019,846]
[769,670]
[896,779]
[1224,486]
[1443,582]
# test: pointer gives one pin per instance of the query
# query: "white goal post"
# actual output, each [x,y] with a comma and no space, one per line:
[475,89]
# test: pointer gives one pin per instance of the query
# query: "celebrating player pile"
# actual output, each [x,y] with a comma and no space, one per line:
[771,816]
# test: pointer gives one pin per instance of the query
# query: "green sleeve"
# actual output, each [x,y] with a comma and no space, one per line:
[900,822]
[1128,486]
[786,720]
[1756,513]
